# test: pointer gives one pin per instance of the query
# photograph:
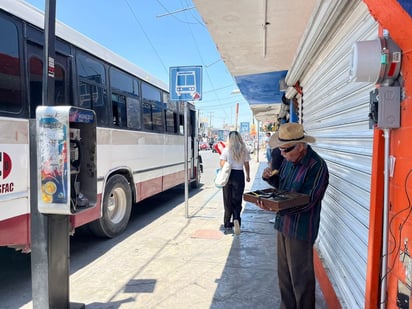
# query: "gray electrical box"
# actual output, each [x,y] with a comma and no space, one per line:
[389,109]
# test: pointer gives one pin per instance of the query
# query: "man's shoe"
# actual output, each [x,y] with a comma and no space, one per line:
[236,227]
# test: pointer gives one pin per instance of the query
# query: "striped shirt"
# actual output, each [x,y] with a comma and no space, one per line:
[309,176]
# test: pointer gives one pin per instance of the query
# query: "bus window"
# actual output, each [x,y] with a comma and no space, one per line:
[166,99]
[152,108]
[147,116]
[122,81]
[127,113]
[92,90]
[10,77]
[119,110]
[171,123]
[153,117]
[133,113]
[59,86]
[91,70]
[157,117]
[36,84]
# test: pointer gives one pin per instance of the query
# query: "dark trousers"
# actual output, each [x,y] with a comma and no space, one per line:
[296,273]
[232,196]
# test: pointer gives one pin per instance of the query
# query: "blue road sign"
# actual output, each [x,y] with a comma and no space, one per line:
[244,127]
[185,83]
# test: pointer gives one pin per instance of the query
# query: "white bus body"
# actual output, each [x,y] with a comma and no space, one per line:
[132,163]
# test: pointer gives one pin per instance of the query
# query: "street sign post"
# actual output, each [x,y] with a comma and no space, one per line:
[185,84]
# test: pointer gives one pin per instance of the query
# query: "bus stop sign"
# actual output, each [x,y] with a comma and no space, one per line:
[185,83]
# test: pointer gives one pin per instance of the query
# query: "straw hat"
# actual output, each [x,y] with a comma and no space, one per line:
[290,133]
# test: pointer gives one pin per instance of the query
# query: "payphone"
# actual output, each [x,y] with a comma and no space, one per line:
[66,159]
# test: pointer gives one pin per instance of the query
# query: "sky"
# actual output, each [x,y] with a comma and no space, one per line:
[156,35]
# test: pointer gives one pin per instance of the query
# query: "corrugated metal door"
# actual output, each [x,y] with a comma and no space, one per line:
[336,110]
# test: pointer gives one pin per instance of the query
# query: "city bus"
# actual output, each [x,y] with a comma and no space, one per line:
[139,130]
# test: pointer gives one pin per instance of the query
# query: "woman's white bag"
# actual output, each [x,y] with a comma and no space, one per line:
[222,175]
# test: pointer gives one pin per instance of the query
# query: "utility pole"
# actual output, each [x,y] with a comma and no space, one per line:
[210,119]
[237,115]
[49,232]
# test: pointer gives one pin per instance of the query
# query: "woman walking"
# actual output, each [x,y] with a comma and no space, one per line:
[237,155]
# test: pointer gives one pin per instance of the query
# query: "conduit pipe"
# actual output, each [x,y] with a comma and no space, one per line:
[265,30]
[385,221]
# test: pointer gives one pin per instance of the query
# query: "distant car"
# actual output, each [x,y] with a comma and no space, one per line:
[250,147]
[204,146]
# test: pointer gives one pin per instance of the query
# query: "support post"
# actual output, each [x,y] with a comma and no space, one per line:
[49,233]
[186,151]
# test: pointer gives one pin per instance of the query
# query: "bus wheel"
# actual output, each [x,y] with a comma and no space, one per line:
[117,206]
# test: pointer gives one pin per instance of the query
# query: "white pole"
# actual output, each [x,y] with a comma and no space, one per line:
[384,265]
[186,149]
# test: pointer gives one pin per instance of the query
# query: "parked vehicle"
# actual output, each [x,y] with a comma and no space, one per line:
[204,146]
[139,145]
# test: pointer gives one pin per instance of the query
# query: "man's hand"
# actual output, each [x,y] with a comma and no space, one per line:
[267,172]
[260,204]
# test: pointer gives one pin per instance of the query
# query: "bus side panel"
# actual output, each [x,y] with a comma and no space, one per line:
[149,188]
[14,182]
[15,232]
[88,215]
[171,180]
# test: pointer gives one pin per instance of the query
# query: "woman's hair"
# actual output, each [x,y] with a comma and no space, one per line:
[237,147]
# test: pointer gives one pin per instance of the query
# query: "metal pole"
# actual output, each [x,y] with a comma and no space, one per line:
[384,265]
[237,115]
[186,149]
[258,141]
[49,233]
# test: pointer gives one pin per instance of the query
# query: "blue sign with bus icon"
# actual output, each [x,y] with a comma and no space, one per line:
[185,83]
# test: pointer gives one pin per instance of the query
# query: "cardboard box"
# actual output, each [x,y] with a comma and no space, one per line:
[277,200]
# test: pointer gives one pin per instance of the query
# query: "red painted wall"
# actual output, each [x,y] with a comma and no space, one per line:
[391,16]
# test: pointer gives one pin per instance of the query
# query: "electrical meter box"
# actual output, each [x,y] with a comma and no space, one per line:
[385,107]
[66,159]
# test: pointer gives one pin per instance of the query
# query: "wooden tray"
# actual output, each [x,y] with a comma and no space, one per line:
[277,200]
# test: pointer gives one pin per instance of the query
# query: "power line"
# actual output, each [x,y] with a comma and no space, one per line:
[146,36]
[174,12]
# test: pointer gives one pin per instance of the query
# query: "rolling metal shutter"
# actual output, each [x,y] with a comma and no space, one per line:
[335,111]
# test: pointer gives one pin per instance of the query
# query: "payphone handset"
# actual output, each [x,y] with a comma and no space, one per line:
[66,152]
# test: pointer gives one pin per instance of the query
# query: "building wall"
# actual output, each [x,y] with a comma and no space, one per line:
[393,16]
[335,110]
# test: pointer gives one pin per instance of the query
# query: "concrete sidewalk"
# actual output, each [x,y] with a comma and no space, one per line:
[179,262]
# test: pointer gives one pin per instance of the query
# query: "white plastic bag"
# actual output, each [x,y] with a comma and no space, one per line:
[222,175]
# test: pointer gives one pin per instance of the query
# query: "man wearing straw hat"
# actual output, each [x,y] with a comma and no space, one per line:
[302,171]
